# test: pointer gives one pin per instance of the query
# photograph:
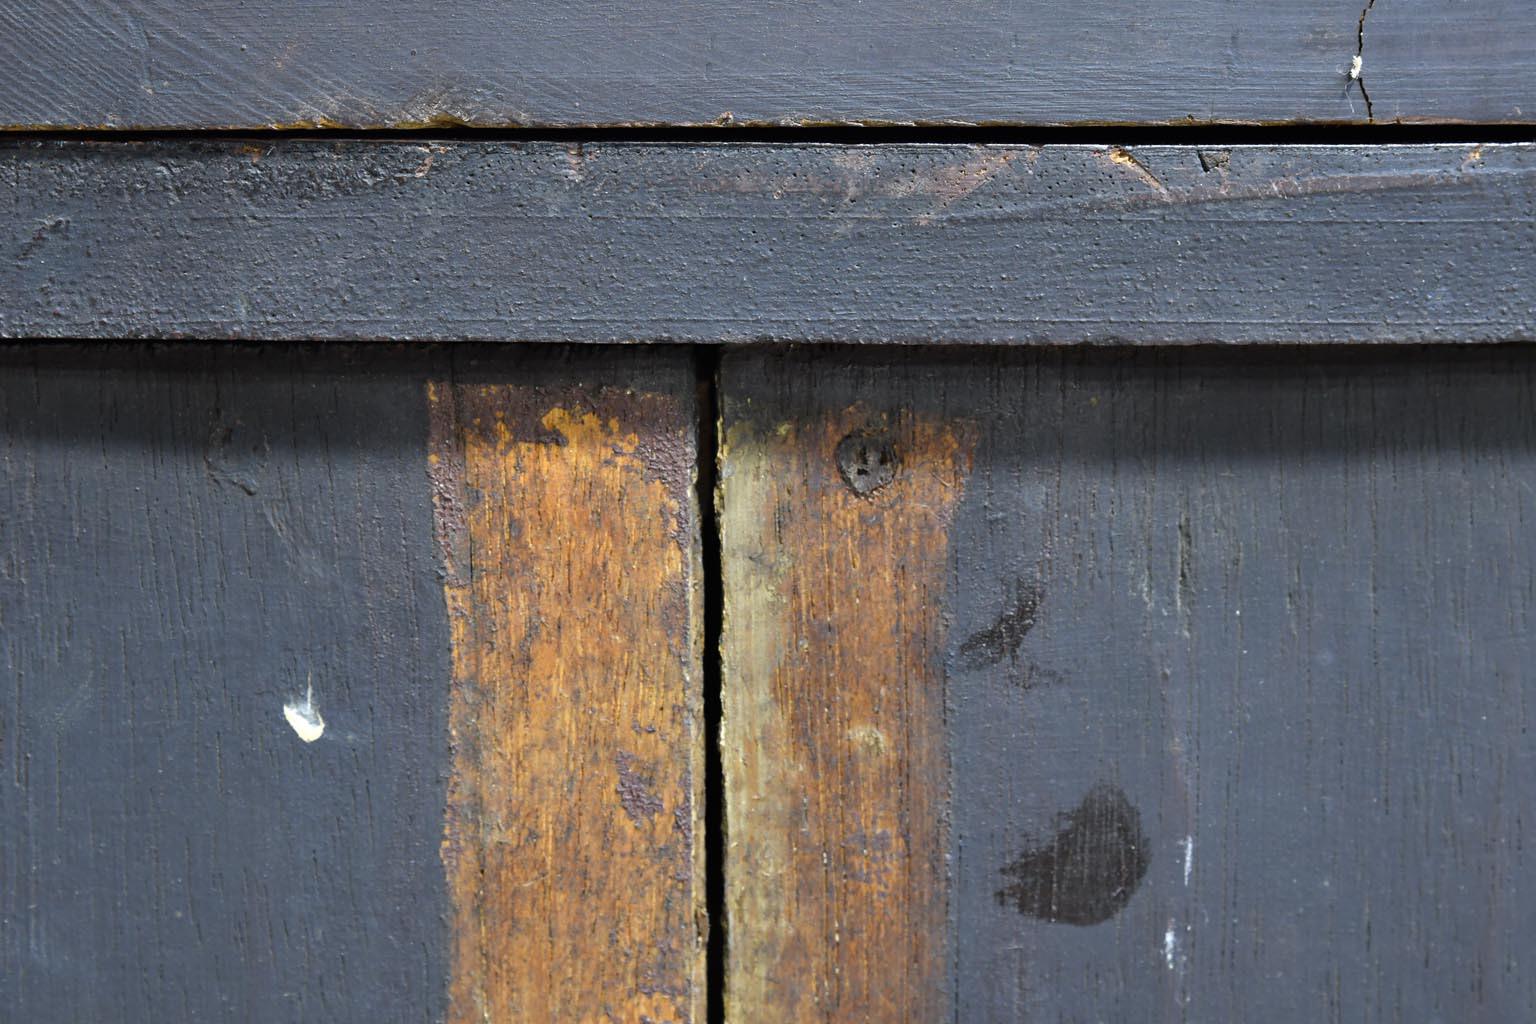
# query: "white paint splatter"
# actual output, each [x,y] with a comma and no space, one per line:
[1356,64]
[1171,946]
[1189,857]
[304,717]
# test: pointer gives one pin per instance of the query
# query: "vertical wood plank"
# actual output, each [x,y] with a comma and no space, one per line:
[1228,660]
[566,514]
[834,521]
[191,540]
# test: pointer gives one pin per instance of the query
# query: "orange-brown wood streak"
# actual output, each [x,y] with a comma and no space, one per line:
[833,731]
[570,547]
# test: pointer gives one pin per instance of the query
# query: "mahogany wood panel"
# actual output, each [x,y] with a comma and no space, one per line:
[565,506]
[834,525]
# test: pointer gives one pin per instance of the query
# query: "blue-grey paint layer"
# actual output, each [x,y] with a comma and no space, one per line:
[158,63]
[192,538]
[907,243]
[1240,685]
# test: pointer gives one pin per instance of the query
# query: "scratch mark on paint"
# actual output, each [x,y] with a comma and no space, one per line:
[54,224]
[304,717]
[425,167]
[1189,857]
[1124,158]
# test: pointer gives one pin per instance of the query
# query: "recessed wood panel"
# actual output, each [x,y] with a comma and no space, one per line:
[348,684]
[834,532]
[224,731]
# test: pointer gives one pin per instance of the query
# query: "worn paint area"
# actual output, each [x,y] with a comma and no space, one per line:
[834,550]
[569,842]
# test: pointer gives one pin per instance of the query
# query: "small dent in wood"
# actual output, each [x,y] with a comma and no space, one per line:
[1214,159]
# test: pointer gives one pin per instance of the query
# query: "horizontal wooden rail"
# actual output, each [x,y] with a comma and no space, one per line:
[717,243]
[271,63]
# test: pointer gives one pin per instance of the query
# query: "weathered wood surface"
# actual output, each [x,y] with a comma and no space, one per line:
[984,244]
[1209,672]
[832,552]
[566,506]
[157,63]
[499,813]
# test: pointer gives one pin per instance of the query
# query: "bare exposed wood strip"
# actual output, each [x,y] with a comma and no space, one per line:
[833,522]
[566,513]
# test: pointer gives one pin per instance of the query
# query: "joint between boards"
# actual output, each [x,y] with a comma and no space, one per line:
[707,369]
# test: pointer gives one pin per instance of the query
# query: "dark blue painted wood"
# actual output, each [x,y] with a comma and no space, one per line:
[192,538]
[972,244]
[158,63]
[1282,609]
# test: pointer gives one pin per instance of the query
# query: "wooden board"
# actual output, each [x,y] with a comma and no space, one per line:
[1178,685]
[302,716]
[565,502]
[612,242]
[282,63]
[832,547]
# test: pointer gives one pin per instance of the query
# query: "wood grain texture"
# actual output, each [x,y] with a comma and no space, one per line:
[834,524]
[1005,245]
[1235,667]
[566,511]
[191,539]
[278,63]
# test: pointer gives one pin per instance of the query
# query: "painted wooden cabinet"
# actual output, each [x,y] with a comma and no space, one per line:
[708,513]
[370,682]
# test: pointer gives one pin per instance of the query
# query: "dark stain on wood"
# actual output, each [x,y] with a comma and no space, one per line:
[867,461]
[1089,870]
[1003,638]
[636,796]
